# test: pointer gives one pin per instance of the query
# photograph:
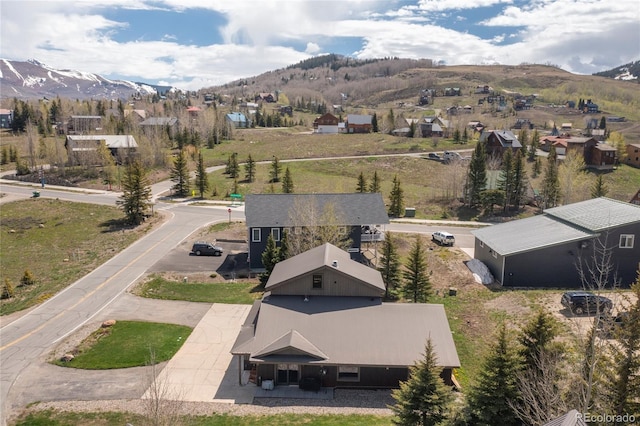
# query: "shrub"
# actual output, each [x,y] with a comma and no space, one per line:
[8,291]
[27,278]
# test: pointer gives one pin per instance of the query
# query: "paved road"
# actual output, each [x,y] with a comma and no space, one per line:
[27,338]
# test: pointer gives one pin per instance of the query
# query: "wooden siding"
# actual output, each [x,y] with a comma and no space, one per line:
[334,283]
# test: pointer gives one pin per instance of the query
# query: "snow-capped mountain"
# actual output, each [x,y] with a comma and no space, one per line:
[33,79]
[630,71]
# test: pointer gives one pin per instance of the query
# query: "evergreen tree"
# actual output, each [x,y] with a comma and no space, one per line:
[537,167]
[270,256]
[497,385]
[551,181]
[506,181]
[4,157]
[390,266]
[250,169]
[533,147]
[603,123]
[180,175]
[375,183]
[423,399]
[284,245]
[233,169]
[477,176]
[519,179]
[417,286]
[391,120]
[599,189]
[362,183]
[276,170]
[136,193]
[374,123]
[536,336]
[523,137]
[465,136]
[202,180]
[456,136]
[287,182]
[396,198]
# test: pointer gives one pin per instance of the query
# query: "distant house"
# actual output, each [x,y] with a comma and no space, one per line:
[137,115]
[590,107]
[266,97]
[483,89]
[498,141]
[452,91]
[83,124]
[84,149]
[286,110]
[603,157]
[322,321]
[156,125]
[566,126]
[326,124]
[433,126]
[271,214]
[194,111]
[543,250]
[633,154]
[359,123]
[238,120]
[6,117]
[523,123]
[615,119]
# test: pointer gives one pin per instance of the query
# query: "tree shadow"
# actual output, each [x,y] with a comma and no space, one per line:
[116,225]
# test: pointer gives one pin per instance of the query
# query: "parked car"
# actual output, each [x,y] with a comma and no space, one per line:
[581,302]
[443,238]
[201,248]
[434,156]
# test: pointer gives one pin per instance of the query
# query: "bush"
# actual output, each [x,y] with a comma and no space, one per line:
[27,278]
[8,291]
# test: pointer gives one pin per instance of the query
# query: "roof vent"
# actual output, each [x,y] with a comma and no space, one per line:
[334,263]
[306,299]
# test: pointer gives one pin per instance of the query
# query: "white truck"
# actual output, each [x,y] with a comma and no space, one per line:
[443,238]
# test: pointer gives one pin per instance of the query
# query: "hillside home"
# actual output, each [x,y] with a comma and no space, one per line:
[590,107]
[544,250]
[153,126]
[498,141]
[135,115]
[633,154]
[83,124]
[84,149]
[326,124]
[361,214]
[359,123]
[603,157]
[322,320]
[194,111]
[238,120]
[6,117]
[266,97]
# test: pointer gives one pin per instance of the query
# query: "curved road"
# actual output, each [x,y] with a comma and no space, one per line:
[27,338]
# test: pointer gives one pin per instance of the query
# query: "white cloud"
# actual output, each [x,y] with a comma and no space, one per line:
[312,48]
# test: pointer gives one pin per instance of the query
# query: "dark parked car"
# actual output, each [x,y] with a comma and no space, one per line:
[434,156]
[201,248]
[584,302]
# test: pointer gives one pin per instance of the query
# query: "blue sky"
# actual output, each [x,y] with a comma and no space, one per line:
[198,43]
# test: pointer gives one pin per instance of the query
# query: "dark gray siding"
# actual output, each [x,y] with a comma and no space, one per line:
[483,253]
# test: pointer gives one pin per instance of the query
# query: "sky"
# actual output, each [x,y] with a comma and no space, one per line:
[191,44]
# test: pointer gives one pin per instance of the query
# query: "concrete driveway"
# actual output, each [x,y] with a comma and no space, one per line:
[203,370]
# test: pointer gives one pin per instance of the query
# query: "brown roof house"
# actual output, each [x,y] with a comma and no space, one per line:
[359,123]
[326,124]
[322,321]
[633,154]
[498,141]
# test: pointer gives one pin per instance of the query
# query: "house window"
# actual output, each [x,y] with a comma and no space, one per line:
[275,234]
[317,281]
[481,243]
[626,240]
[348,374]
[255,235]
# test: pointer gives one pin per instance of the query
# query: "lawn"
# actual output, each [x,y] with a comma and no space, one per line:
[57,418]
[227,292]
[128,344]
[58,242]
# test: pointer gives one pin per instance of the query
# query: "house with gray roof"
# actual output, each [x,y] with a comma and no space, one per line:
[357,123]
[153,126]
[84,149]
[322,318]
[545,250]
[362,214]
[496,142]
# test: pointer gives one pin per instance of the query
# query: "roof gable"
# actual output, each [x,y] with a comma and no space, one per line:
[292,343]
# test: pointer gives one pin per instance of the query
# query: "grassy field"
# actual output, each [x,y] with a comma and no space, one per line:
[128,344]
[57,418]
[58,242]
[232,292]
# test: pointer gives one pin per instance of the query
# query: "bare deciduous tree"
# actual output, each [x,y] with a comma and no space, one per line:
[163,403]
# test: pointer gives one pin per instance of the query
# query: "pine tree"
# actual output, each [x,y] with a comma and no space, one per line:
[375,183]
[519,179]
[497,385]
[136,193]
[533,147]
[599,189]
[374,123]
[233,167]
[603,123]
[276,170]
[423,399]
[250,169]
[284,245]
[287,182]
[390,266]
[537,167]
[417,286]
[202,180]
[506,181]
[180,175]
[396,198]
[270,256]
[362,183]
[537,336]
[551,182]
[477,176]
[4,157]
[391,120]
